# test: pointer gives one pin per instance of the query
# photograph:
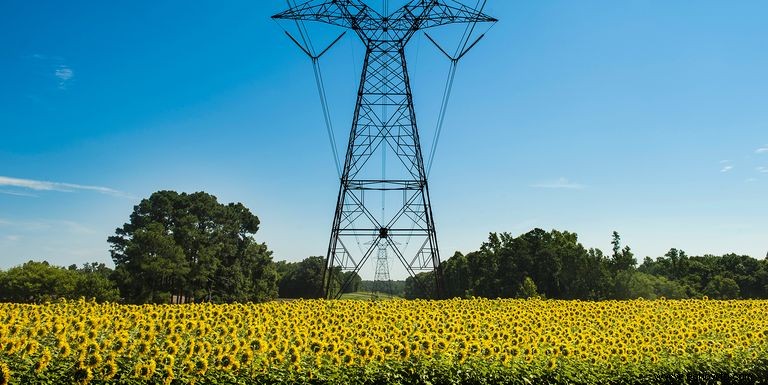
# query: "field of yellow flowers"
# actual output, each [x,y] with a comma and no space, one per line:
[378,342]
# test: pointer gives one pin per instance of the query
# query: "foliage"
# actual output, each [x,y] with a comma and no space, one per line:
[528,289]
[621,259]
[419,286]
[397,287]
[301,279]
[727,276]
[192,246]
[368,296]
[362,342]
[722,288]
[305,279]
[562,268]
[558,264]
[39,282]
[353,280]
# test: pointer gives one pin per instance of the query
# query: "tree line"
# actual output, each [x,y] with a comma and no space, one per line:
[555,265]
[40,282]
[179,247]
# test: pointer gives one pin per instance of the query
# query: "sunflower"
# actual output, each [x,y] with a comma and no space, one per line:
[9,347]
[201,367]
[344,356]
[246,357]
[218,350]
[119,345]
[227,362]
[189,366]
[144,370]
[109,371]
[143,347]
[172,349]
[552,363]
[43,361]
[5,374]
[168,375]
[31,347]
[92,360]
[82,375]
[63,347]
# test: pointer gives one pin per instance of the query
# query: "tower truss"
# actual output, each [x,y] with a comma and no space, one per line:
[384,157]
[381,280]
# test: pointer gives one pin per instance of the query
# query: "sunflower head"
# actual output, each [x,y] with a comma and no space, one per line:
[119,344]
[144,370]
[143,347]
[168,374]
[172,349]
[246,357]
[40,366]
[552,364]
[201,367]
[92,360]
[110,370]
[83,375]
[5,374]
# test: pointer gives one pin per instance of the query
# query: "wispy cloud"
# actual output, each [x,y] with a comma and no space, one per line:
[64,74]
[17,193]
[38,185]
[61,71]
[726,165]
[762,150]
[47,225]
[560,183]
[762,169]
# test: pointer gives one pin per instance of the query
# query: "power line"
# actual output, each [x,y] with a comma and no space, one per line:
[461,50]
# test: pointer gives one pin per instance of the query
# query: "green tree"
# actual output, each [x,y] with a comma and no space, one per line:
[422,286]
[668,289]
[354,279]
[303,279]
[621,259]
[722,288]
[192,246]
[528,289]
[94,283]
[632,284]
[37,282]
[698,275]
[40,282]
[398,287]
[457,276]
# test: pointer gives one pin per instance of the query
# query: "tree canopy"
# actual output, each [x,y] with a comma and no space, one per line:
[190,246]
[305,279]
[555,265]
[193,247]
[40,282]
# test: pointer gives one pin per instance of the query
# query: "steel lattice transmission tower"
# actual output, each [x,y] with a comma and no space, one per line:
[381,280]
[384,156]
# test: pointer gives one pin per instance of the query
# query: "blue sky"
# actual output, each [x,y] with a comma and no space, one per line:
[644,117]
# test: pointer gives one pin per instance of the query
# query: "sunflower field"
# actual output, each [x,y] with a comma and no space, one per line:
[473,341]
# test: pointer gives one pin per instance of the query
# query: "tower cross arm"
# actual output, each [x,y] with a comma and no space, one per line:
[353,14]
[423,14]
